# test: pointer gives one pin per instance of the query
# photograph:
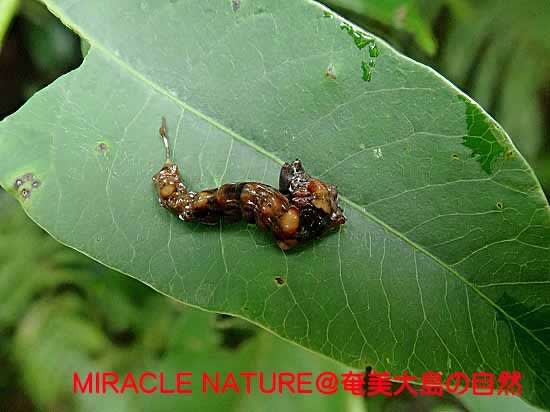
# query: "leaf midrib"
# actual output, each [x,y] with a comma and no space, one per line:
[112,56]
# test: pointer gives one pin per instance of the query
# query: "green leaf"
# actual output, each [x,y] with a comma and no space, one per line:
[8,9]
[444,262]
[496,403]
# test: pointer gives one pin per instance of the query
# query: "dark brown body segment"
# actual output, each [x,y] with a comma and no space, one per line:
[303,208]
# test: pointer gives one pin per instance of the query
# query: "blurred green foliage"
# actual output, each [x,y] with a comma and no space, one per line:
[61,312]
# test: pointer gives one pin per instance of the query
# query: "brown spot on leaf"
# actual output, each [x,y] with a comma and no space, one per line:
[21,180]
[330,72]
[102,147]
[25,193]
[18,183]
[24,184]
[280,280]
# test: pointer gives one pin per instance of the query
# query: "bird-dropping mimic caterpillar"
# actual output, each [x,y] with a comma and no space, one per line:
[303,208]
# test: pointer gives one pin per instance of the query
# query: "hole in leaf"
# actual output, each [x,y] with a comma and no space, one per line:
[486,141]
[330,72]
[21,180]
[280,280]
[18,183]
[367,71]
[25,193]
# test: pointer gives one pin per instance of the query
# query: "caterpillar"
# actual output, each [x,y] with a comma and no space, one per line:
[303,208]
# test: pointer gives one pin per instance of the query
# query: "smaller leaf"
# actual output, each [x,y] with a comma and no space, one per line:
[8,9]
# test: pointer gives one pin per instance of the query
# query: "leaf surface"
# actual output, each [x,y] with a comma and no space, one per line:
[444,262]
